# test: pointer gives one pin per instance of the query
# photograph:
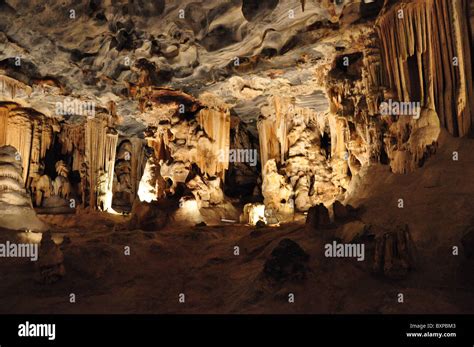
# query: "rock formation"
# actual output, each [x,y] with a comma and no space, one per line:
[395,253]
[318,217]
[280,103]
[415,36]
[16,210]
[49,267]
[287,262]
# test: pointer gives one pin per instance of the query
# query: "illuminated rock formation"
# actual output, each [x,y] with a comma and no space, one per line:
[30,132]
[426,57]
[275,102]
[16,211]
[253,213]
[181,140]
[101,146]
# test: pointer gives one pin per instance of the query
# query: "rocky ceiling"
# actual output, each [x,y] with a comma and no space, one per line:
[98,50]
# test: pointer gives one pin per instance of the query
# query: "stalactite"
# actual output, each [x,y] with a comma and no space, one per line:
[273,130]
[372,74]
[109,164]
[100,150]
[137,162]
[95,134]
[216,124]
[5,109]
[269,143]
[426,57]
[36,148]
[19,135]
[30,132]
[72,139]
[13,86]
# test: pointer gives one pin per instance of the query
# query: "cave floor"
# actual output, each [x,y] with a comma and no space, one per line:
[200,263]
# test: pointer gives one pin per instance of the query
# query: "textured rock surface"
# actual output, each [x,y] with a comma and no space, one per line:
[148,217]
[154,100]
[16,210]
[351,231]
[342,212]
[395,253]
[318,217]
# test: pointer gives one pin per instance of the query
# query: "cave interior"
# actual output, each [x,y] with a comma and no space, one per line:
[225,143]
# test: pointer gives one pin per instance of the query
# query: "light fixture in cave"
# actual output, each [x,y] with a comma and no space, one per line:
[29,236]
[257,213]
[188,205]
[146,191]
[253,213]
[188,211]
[108,202]
[110,210]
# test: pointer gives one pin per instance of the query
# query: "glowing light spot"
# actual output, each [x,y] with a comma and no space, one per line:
[253,213]
[146,192]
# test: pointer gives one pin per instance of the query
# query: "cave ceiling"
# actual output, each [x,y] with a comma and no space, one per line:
[242,51]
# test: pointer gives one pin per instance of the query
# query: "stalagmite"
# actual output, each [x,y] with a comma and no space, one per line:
[109,161]
[293,139]
[175,148]
[128,171]
[253,213]
[147,188]
[16,210]
[180,138]
[277,192]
